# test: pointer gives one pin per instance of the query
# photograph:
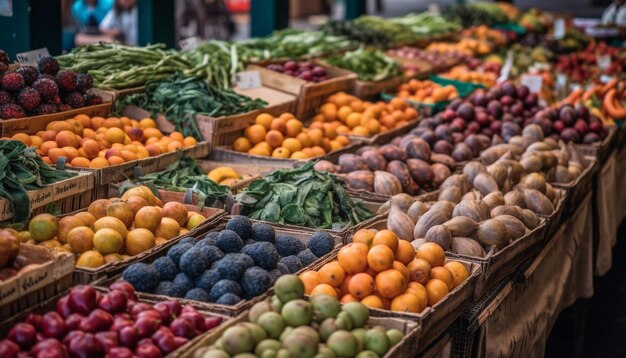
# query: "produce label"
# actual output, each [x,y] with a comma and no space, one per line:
[31,57]
[190,44]
[559,29]
[604,62]
[6,8]
[248,79]
[434,9]
[533,82]
[506,69]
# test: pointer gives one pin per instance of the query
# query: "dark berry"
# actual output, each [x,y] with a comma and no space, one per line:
[5,98]
[92,100]
[47,108]
[29,98]
[48,65]
[83,82]
[29,73]
[47,88]
[12,81]
[11,110]
[66,80]
[74,100]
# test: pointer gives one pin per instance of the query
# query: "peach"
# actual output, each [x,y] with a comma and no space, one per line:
[91,148]
[112,152]
[67,139]
[115,135]
[48,136]
[113,122]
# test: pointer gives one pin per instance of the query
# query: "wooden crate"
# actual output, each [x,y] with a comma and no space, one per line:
[310,95]
[112,95]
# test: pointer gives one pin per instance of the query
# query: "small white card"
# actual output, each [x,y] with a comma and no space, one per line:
[605,79]
[433,9]
[604,62]
[190,43]
[248,79]
[559,29]
[533,82]
[31,57]
[506,68]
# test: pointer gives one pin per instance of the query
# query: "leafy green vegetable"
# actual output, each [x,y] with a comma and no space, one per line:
[180,176]
[21,169]
[303,197]
[369,65]
[180,98]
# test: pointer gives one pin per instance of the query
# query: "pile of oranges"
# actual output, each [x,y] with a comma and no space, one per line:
[286,137]
[462,73]
[383,272]
[346,114]
[467,46]
[100,142]
[426,91]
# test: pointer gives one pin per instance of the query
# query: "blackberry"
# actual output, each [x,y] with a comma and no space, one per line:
[5,98]
[92,100]
[83,82]
[48,65]
[66,80]
[47,108]
[29,73]
[74,100]
[29,98]
[47,88]
[12,81]
[11,110]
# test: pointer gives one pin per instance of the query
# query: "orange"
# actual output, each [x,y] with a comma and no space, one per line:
[324,289]
[373,126]
[343,140]
[113,122]
[274,138]
[436,290]
[458,271]
[304,139]
[242,144]
[353,258]
[71,153]
[330,131]
[287,116]
[343,113]
[335,145]
[353,119]
[128,156]
[390,283]
[265,120]
[360,130]
[387,238]
[292,144]
[310,280]
[344,287]
[398,103]
[397,265]
[177,136]
[35,141]
[348,298]
[280,125]
[80,162]
[293,127]
[419,270]
[22,137]
[405,252]
[443,274]
[55,153]
[189,142]
[432,253]
[281,152]
[406,302]
[361,285]
[342,130]
[99,163]
[318,151]
[332,274]
[174,145]
[259,151]
[91,148]
[364,236]
[146,123]
[419,291]
[114,135]
[315,135]
[255,133]
[373,301]
[152,132]
[299,155]
[380,258]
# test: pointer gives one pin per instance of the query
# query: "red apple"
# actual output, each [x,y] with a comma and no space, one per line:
[180,341]
[119,323]
[33,319]
[73,321]
[120,352]
[128,337]
[86,346]
[24,334]
[82,299]
[71,335]
[124,287]
[164,311]
[174,306]
[98,320]
[107,339]
[52,325]
[114,301]
[137,307]
[166,343]
[63,306]
[148,350]
[183,328]
[8,348]
[163,330]
[146,325]
[50,348]
[212,322]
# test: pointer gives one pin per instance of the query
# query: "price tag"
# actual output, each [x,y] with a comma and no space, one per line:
[605,79]
[31,57]
[604,62]
[559,29]
[533,82]
[248,79]
[506,68]
[6,8]
[190,43]
[434,9]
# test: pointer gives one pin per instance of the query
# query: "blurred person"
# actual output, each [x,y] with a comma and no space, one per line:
[121,22]
[89,13]
[615,14]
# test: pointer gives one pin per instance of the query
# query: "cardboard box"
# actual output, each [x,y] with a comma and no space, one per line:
[32,125]
[310,94]
[81,183]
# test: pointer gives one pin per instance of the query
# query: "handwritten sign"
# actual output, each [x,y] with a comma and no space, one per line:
[190,44]
[6,8]
[559,29]
[31,57]
[248,79]
[604,62]
[533,82]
